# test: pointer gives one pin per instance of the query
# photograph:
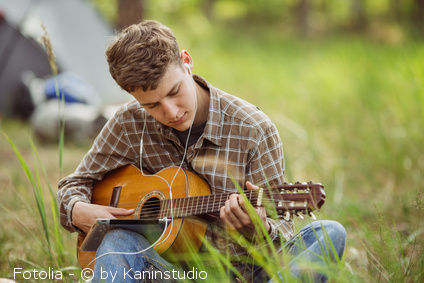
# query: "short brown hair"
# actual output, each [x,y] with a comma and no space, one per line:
[139,56]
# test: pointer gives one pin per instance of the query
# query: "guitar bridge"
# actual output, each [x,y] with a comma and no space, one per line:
[116,193]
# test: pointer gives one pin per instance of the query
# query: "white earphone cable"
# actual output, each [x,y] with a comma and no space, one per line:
[165,219]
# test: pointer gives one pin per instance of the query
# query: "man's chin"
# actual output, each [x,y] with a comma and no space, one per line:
[181,127]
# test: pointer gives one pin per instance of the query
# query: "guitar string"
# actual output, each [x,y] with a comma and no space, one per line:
[197,199]
[274,196]
[180,209]
[180,213]
[158,241]
[152,213]
[162,203]
[195,208]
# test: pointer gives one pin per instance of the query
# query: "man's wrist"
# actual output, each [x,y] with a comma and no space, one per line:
[71,214]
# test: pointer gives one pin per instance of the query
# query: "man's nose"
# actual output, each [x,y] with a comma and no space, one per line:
[170,110]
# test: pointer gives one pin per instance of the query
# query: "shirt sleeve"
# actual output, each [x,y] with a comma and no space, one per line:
[266,168]
[111,149]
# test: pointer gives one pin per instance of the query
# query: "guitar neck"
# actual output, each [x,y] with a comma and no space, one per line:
[197,205]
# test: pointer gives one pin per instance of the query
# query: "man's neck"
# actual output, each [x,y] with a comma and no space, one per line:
[203,98]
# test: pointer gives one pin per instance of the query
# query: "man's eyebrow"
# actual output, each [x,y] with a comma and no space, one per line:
[173,89]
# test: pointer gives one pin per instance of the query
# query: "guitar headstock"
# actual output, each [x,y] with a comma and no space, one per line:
[297,199]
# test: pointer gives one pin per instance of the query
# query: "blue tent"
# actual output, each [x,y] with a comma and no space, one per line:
[79,38]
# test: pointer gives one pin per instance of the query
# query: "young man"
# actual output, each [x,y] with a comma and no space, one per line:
[178,118]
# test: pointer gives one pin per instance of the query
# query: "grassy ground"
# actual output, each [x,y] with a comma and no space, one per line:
[350,113]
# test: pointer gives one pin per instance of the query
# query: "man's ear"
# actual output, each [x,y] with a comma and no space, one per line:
[186,58]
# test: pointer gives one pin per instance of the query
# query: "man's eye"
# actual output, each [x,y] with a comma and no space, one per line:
[151,106]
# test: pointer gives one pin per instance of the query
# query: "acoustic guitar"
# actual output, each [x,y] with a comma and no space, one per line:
[150,196]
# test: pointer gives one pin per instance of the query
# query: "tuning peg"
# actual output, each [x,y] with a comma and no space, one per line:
[312,216]
[287,216]
[300,216]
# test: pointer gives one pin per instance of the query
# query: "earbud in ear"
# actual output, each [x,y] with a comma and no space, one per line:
[188,67]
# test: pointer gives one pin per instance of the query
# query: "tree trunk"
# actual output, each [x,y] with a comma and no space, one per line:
[129,12]
[207,8]
[395,10]
[302,16]
[359,18]
[419,12]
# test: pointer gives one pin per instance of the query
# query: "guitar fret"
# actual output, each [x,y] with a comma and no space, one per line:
[168,209]
[201,208]
[214,201]
[171,208]
[183,207]
[187,206]
[187,213]
[207,203]
[180,208]
[175,203]
[191,206]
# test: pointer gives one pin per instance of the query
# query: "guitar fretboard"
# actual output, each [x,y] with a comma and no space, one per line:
[197,205]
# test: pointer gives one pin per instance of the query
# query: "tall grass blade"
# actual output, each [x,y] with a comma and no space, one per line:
[35,188]
[59,247]
[61,99]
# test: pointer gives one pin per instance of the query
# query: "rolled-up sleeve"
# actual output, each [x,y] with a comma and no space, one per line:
[110,150]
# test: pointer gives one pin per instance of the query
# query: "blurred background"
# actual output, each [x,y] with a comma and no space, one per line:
[342,80]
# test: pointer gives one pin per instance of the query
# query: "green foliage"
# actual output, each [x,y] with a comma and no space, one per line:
[381,19]
[107,9]
[350,114]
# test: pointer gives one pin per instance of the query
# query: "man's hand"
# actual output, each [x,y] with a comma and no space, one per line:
[235,216]
[84,215]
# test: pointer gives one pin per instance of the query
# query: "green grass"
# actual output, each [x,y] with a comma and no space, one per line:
[350,113]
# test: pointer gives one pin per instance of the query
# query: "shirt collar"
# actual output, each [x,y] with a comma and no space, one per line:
[213,128]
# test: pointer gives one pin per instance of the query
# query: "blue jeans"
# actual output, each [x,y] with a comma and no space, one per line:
[311,245]
[306,245]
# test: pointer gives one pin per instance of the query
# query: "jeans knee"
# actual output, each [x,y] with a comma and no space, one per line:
[335,229]
[337,234]
[331,227]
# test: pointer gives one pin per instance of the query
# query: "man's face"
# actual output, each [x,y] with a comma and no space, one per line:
[173,102]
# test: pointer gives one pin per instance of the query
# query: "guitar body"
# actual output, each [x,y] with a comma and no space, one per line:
[141,193]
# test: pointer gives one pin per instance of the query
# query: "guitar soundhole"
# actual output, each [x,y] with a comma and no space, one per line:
[150,209]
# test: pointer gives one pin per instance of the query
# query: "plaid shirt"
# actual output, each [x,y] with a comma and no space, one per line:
[239,143]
